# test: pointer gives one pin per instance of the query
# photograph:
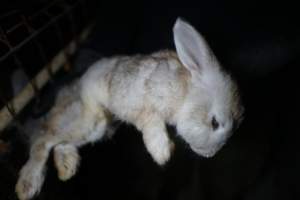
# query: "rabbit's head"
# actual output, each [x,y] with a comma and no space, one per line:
[211,108]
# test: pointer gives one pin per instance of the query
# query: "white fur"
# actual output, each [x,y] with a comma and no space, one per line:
[66,159]
[187,89]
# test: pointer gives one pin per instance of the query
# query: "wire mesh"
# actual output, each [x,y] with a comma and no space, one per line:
[37,41]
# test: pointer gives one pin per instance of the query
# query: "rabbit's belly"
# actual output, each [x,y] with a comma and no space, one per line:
[127,104]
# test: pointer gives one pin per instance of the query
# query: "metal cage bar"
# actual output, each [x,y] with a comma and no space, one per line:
[51,64]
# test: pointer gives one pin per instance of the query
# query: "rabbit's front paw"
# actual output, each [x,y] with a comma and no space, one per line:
[29,183]
[66,160]
[160,148]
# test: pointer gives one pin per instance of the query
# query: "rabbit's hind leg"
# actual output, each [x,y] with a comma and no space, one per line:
[66,159]
[32,175]
[87,128]
[66,156]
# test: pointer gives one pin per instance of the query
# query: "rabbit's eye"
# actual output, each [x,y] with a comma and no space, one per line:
[214,123]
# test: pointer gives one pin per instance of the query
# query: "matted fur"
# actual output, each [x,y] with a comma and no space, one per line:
[186,88]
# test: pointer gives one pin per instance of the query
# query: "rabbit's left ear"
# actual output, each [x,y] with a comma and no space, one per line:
[192,49]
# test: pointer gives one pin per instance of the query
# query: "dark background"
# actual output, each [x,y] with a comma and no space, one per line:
[258,42]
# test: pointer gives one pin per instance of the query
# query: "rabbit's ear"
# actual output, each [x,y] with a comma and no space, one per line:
[191,47]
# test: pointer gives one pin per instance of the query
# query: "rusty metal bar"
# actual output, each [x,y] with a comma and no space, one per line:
[22,99]
[31,90]
[36,32]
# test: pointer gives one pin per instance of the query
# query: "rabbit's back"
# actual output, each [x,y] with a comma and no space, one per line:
[133,86]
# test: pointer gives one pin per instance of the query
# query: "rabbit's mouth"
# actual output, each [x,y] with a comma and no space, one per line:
[204,152]
[207,151]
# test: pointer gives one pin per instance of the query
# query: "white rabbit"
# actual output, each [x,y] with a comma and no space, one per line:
[186,89]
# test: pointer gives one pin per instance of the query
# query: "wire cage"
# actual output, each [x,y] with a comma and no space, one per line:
[39,47]
[37,42]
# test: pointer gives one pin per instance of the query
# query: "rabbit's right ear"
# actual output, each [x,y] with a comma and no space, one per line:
[191,48]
